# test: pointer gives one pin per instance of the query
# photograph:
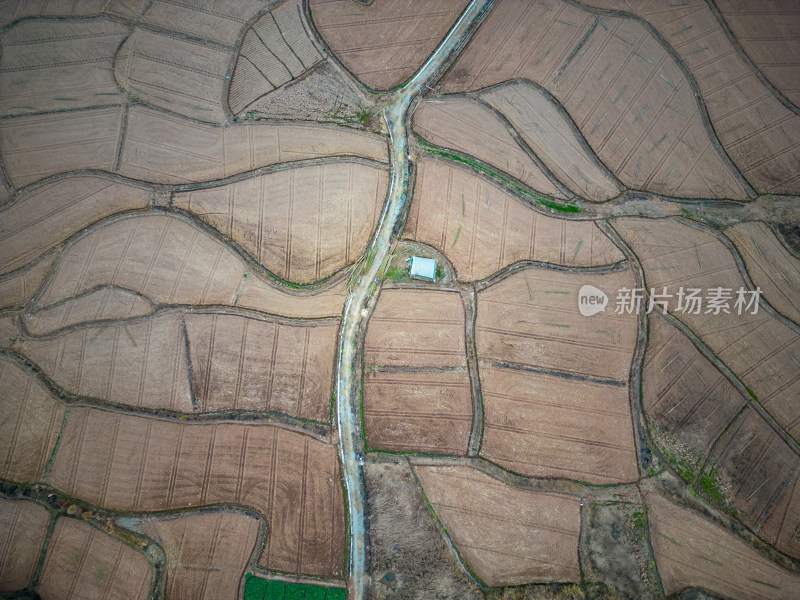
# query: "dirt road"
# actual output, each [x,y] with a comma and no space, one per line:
[365,289]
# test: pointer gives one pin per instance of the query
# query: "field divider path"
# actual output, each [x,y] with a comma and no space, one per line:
[364,292]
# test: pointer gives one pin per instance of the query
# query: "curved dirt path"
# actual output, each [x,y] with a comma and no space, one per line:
[364,291]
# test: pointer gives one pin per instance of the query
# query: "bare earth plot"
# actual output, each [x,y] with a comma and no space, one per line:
[416,386]
[768,33]
[18,287]
[169,260]
[507,536]
[164,148]
[469,127]
[482,229]
[781,526]
[23,528]
[626,94]
[693,552]
[57,65]
[44,216]
[248,364]
[770,265]
[554,383]
[29,426]
[759,348]
[759,133]
[754,465]
[106,303]
[274,51]
[685,396]
[83,560]
[181,76]
[302,224]
[207,554]
[19,9]
[129,463]
[549,132]
[383,43]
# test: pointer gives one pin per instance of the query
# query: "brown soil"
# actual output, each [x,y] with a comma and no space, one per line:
[162,257]
[179,75]
[37,146]
[87,563]
[693,552]
[685,396]
[770,266]
[546,426]
[128,463]
[411,411]
[506,535]
[781,527]
[221,23]
[16,289]
[385,42]
[105,303]
[465,125]
[761,135]
[23,528]
[168,149]
[753,464]
[207,554]
[302,224]
[416,328]
[46,76]
[495,229]
[258,294]
[761,350]
[45,216]
[549,133]
[140,364]
[408,557]
[246,364]
[18,9]
[416,389]
[626,94]
[30,420]
[532,318]
[275,50]
[768,31]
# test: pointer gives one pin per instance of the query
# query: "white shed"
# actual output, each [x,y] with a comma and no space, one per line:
[423,267]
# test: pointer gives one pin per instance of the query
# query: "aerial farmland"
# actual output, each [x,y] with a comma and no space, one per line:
[399,299]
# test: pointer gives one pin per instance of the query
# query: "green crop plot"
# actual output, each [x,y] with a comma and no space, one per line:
[257,588]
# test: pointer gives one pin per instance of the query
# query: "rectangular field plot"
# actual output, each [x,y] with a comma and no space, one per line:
[257,588]
[23,529]
[531,318]
[546,426]
[418,411]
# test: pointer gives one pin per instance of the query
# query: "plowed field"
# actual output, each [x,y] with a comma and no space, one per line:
[207,554]
[23,528]
[482,229]
[469,127]
[302,224]
[693,552]
[506,535]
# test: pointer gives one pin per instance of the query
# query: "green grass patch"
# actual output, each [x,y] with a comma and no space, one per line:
[511,183]
[709,486]
[258,588]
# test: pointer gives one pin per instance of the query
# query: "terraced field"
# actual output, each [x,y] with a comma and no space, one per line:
[219,378]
